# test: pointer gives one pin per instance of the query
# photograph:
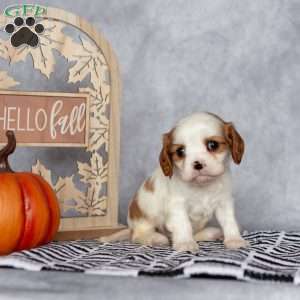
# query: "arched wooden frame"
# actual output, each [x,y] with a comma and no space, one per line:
[70,229]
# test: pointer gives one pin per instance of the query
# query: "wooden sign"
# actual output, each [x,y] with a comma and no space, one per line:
[45,119]
[77,134]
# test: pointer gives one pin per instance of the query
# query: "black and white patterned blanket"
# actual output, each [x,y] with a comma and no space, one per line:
[273,255]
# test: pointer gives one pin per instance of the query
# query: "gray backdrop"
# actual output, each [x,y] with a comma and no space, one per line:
[239,59]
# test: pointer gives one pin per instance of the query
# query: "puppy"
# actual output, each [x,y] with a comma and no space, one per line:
[192,184]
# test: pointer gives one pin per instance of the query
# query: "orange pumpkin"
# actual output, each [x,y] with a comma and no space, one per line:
[29,211]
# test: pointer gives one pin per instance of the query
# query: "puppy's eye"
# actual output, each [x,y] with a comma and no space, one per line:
[212,146]
[180,151]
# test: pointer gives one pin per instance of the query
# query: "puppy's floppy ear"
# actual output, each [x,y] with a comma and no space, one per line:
[165,159]
[235,142]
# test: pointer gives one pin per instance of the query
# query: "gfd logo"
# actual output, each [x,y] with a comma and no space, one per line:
[25,10]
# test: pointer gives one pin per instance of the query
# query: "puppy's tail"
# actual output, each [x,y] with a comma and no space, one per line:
[119,236]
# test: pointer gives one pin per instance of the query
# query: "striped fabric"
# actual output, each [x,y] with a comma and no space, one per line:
[273,255]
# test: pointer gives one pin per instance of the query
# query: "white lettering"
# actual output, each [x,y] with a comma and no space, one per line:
[53,119]
[41,112]
[28,121]
[9,118]
[19,120]
[3,118]
[81,117]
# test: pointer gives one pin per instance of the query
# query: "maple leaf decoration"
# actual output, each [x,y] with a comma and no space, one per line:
[42,55]
[89,60]
[41,170]
[94,174]
[99,131]
[99,122]
[70,197]
[6,81]
[66,191]
[92,205]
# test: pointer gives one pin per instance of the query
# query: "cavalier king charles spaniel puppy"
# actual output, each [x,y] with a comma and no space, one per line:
[191,184]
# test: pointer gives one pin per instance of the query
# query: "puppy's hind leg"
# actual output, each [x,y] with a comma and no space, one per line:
[143,232]
[209,234]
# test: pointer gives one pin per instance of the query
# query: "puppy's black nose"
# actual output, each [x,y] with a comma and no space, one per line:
[197,165]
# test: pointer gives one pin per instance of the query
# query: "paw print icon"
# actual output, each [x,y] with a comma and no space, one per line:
[24,32]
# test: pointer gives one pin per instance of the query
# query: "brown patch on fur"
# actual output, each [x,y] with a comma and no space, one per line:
[134,209]
[174,155]
[165,158]
[235,142]
[223,145]
[149,185]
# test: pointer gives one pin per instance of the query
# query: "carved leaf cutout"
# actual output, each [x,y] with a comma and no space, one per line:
[99,130]
[6,81]
[42,55]
[93,205]
[85,171]
[98,98]
[87,56]
[51,38]
[94,174]
[41,170]
[7,51]
[18,54]
[99,123]
[4,49]
[89,61]
[43,59]
[69,196]
[66,190]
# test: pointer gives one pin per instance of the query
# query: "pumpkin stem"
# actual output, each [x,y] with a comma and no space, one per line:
[6,151]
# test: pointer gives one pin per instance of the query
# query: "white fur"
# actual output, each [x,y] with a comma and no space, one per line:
[179,207]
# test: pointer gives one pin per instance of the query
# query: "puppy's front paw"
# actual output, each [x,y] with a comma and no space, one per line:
[236,243]
[159,239]
[190,246]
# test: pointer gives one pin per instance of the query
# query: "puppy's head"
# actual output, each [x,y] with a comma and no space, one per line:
[199,146]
